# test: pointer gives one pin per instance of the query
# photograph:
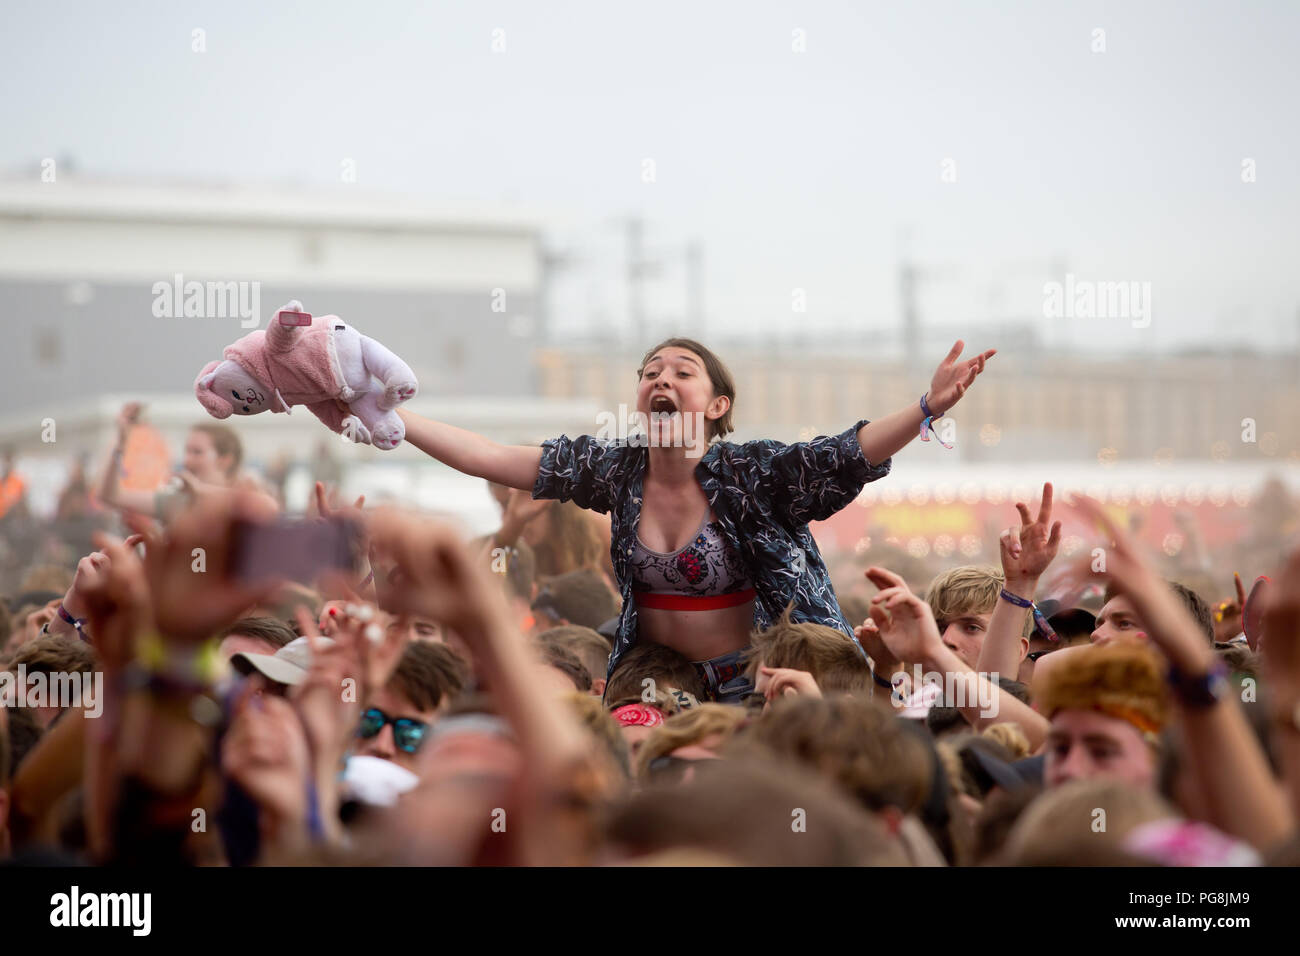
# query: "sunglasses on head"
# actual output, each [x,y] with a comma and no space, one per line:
[408,734]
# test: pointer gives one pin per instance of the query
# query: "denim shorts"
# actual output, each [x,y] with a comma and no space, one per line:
[724,678]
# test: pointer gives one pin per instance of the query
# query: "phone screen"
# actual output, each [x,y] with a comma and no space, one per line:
[296,550]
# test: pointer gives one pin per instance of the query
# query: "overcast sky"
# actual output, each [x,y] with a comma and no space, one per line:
[799,170]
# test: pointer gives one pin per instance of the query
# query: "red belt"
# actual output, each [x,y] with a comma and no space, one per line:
[688,602]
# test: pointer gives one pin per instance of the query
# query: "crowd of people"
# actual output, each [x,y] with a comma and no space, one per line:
[650,662]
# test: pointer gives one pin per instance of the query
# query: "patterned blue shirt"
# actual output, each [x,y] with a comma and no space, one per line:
[763,494]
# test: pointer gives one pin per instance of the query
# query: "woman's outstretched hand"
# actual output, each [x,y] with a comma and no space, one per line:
[952,378]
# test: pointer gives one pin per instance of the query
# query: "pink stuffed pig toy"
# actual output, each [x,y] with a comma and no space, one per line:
[346,379]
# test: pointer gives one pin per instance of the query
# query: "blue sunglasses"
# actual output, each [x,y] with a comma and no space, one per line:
[408,734]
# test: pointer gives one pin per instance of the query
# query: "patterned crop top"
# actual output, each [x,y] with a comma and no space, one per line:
[703,567]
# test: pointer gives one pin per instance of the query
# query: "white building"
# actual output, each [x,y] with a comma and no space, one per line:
[87,271]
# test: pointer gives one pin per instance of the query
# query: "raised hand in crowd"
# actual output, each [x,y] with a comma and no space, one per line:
[1280,650]
[325,500]
[521,509]
[266,752]
[191,568]
[954,376]
[908,628]
[434,575]
[882,438]
[1026,553]
[777,682]
[1225,758]
[110,490]
[1229,621]
[90,574]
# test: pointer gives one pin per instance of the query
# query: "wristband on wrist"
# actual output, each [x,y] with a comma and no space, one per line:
[882,681]
[182,666]
[315,828]
[1200,691]
[78,623]
[1040,623]
[927,426]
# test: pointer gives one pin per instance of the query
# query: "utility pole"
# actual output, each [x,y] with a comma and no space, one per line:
[634,233]
[695,287]
[907,276]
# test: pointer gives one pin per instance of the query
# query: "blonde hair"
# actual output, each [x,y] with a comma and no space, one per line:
[958,592]
[966,590]
[688,727]
[1064,823]
[1009,736]
[588,711]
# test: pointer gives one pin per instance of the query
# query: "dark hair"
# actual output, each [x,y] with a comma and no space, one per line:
[580,597]
[975,779]
[55,653]
[269,629]
[719,375]
[6,771]
[940,720]
[24,732]
[589,645]
[428,672]
[1013,687]
[1195,604]
[567,662]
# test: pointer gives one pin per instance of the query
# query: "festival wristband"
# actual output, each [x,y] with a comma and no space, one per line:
[315,828]
[927,426]
[192,666]
[79,624]
[1040,622]
[1197,692]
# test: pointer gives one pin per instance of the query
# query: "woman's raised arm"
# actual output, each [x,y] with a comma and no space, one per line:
[514,466]
[111,492]
[885,437]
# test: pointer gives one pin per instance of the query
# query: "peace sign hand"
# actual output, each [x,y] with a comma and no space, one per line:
[1026,553]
